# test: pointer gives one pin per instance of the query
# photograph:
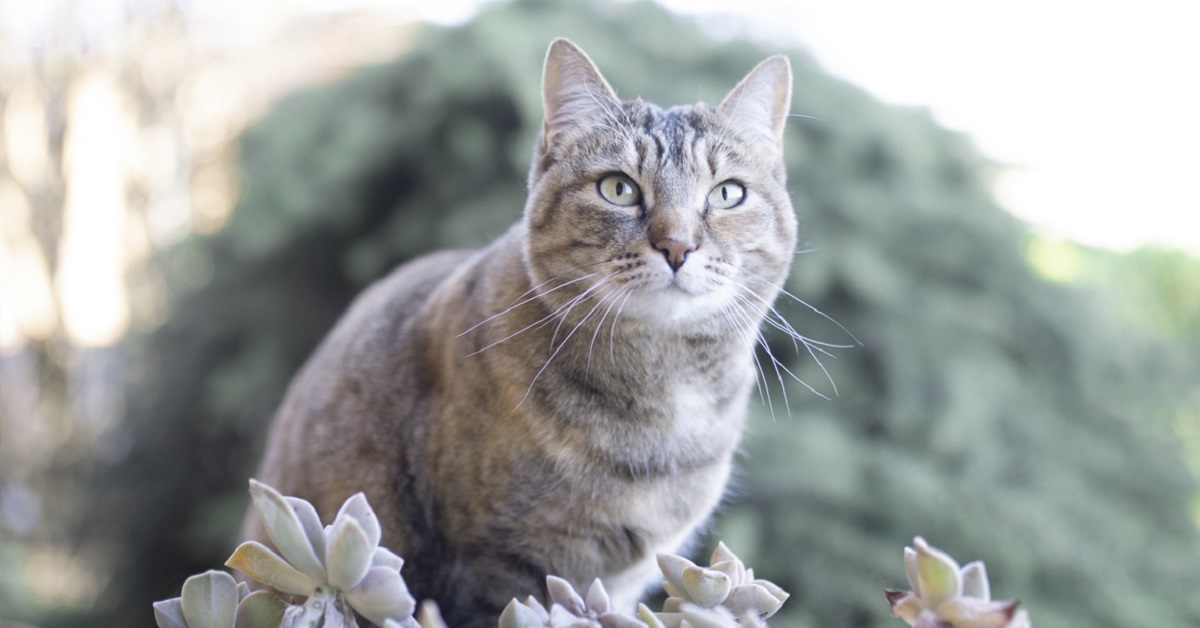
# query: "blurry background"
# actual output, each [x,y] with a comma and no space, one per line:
[1000,203]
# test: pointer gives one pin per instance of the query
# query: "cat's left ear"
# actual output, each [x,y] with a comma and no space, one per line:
[761,101]
[574,93]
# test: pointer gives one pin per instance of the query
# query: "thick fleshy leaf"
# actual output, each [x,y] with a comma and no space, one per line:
[910,569]
[348,553]
[210,600]
[752,598]
[645,614]
[430,616]
[975,581]
[310,522]
[357,508]
[384,557]
[517,615]
[560,617]
[774,589]
[381,594]
[672,567]
[673,604]
[670,620]
[705,586]
[970,612]
[561,592]
[286,531]
[732,568]
[536,605]
[257,561]
[597,598]
[716,617]
[169,613]
[937,574]
[619,620]
[723,554]
[259,609]
[905,605]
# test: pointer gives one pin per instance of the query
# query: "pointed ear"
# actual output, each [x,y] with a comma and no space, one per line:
[760,103]
[574,93]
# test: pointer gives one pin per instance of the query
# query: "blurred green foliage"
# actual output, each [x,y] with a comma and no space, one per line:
[1030,423]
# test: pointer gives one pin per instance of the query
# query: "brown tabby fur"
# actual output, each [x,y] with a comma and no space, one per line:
[562,401]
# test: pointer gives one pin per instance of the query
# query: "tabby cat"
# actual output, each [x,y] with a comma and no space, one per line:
[568,399]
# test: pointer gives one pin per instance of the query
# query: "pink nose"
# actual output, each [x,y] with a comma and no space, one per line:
[676,251]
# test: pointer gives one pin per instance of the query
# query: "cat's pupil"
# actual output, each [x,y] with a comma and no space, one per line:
[620,188]
[724,192]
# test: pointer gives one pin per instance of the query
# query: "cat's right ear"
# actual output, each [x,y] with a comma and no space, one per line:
[574,94]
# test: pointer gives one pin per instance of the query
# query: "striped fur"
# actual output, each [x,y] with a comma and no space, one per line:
[561,401]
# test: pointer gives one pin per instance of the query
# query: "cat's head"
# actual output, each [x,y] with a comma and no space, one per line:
[672,215]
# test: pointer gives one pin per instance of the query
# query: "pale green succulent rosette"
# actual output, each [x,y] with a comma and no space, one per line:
[213,600]
[726,584]
[946,595]
[338,565]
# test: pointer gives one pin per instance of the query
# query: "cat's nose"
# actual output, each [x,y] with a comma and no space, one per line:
[676,251]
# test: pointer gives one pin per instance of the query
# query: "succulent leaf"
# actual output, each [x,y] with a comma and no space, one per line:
[561,592]
[723,554]
[532,602]
[975,581]
[706,587]
[620,620]
[430,616]
[732,568]
[597,598]
[380,595]
[937,574]
[910,569]
[752,598]
[210,600]
[517,615]
[169,613]
[257,561]
[971,612]
[286,531]
[259,609]
[716,617]
[645,614]
[384,557]
[357,508]
[774,589]
[672,567]
[348,553]
[310,522]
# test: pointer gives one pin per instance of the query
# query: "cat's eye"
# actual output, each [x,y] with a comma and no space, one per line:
[619,189]
[726,195]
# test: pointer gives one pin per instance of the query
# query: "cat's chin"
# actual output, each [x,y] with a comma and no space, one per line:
[675,303]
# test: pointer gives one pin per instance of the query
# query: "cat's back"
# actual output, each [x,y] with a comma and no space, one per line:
[365,374]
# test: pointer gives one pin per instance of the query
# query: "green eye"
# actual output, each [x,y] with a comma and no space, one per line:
[726,195]
[619,189]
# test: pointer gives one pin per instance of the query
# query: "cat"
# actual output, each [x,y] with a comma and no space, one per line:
[568,399]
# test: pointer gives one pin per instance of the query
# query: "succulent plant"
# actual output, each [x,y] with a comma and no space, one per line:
[944,595]
[723,595]
[568,609]
[340,568]
[725,583]
[213,600]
